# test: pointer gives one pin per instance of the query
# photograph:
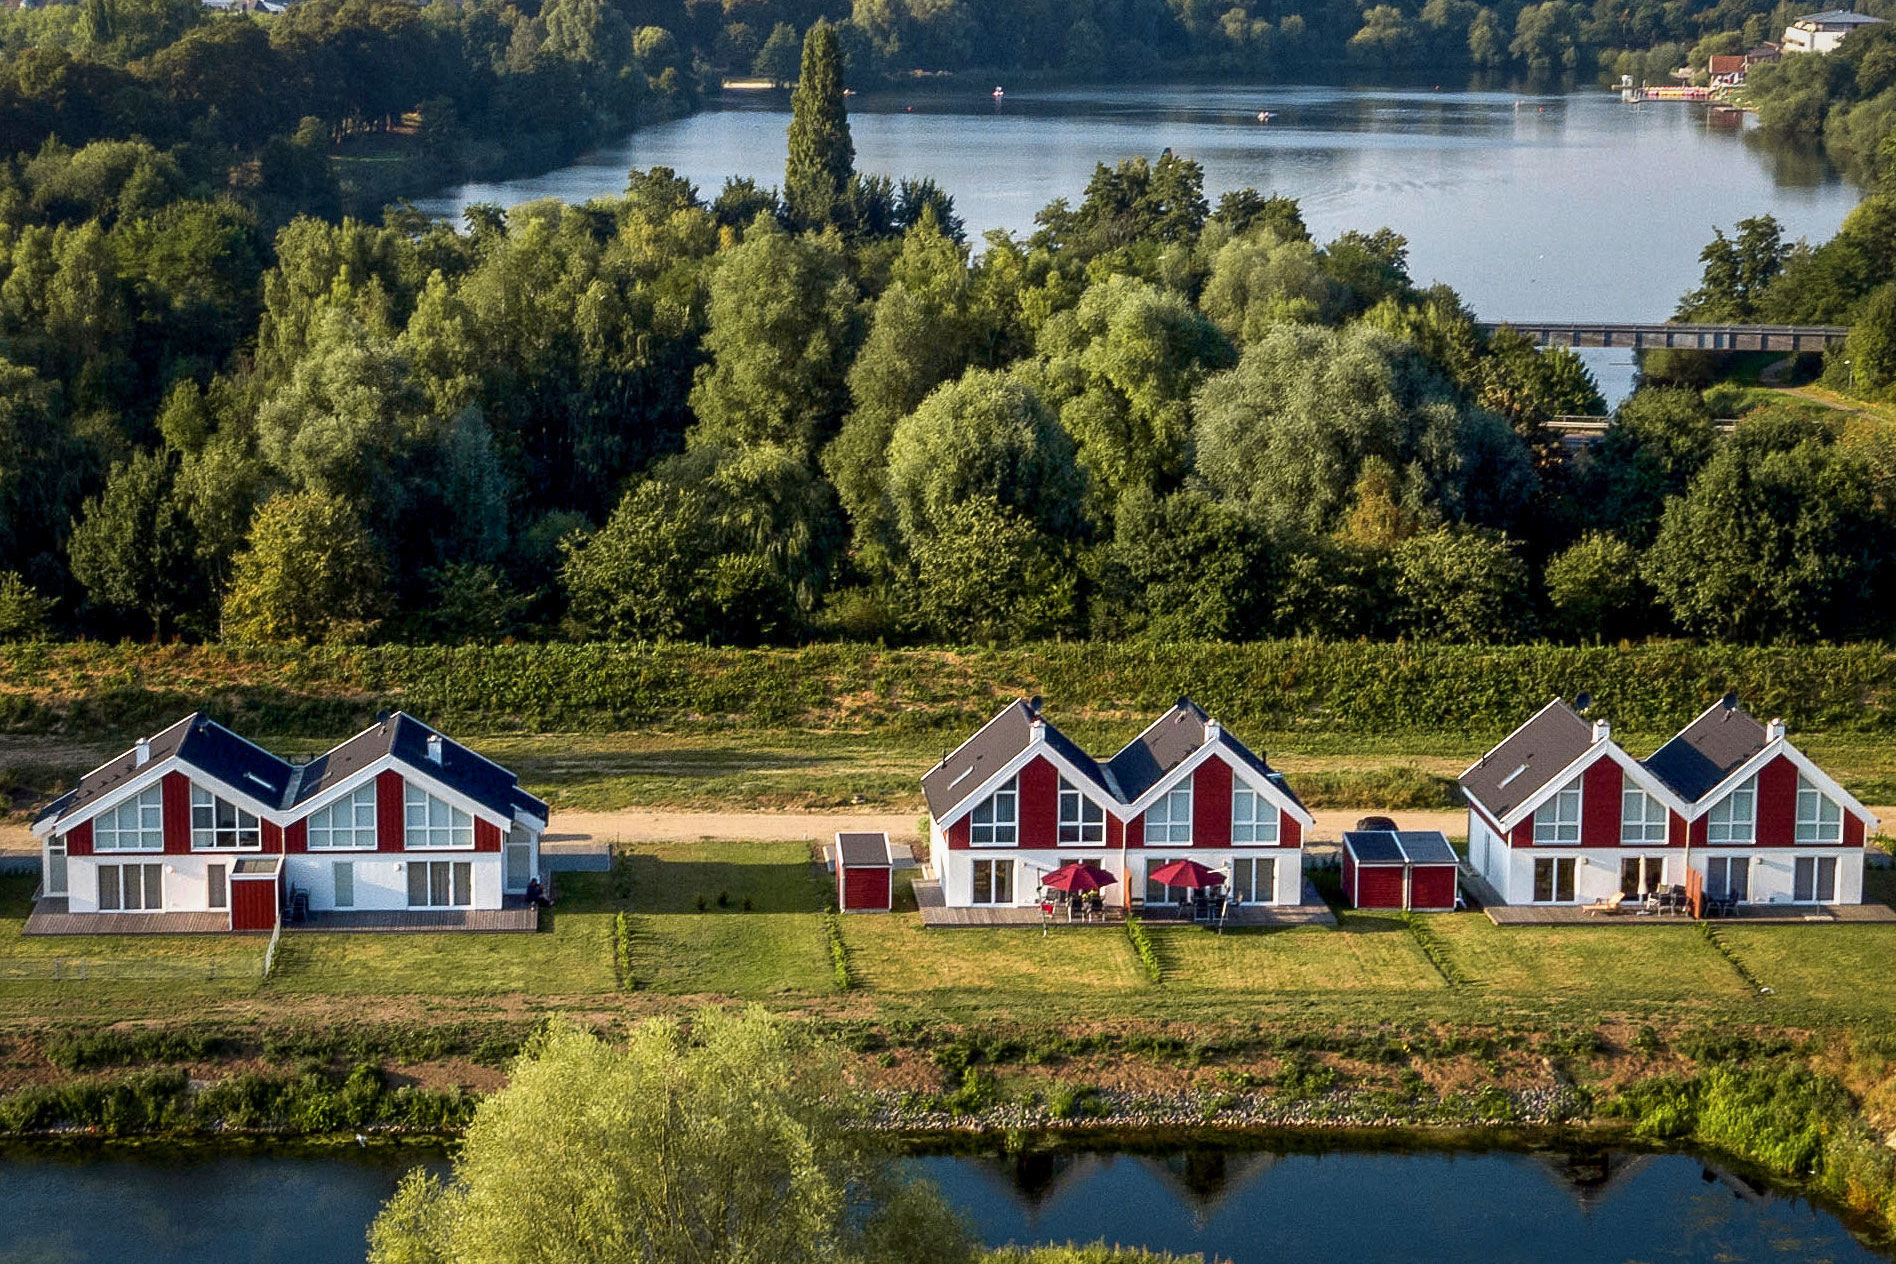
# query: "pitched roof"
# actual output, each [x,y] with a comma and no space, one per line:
[1707,751]
[199,741]
[1838,17]
[1393,847]
[1167,742]
[210,748]
[863,850]
[1528,758]
[992,747]
[1726,65]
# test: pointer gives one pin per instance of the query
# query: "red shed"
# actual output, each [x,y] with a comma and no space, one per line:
[864,873]
[256,892]
[1407,869]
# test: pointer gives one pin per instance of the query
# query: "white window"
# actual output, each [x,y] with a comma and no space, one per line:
[1814,880]
[434,823]
[1733,819]
[1642,817]
[439,884]
[347,823]
[1254,879]
[1553,880]
[1253,819]
[344,873]
[217,886]
[1728,877]
[219,823]
[134,825]
[131,888]
[1158,892]
[55,867]
[1170,819]
[993,882]
[1081,819]
[1819,819]
[996,821]
[1558,820]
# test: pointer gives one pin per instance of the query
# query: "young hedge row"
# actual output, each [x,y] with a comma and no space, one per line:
[1275,686]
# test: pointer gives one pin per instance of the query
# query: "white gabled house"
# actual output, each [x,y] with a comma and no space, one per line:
[1558,813]
[196,819]
[1018,799]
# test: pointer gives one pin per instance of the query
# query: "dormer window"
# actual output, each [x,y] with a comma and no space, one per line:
[996,821]
[1819,819]
[1081,819]
[218,824]
[1734,818]
[1558,820]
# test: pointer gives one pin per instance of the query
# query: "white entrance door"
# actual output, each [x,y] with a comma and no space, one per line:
[55,875]
[519,866]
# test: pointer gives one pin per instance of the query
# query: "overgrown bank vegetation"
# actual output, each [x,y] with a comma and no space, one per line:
[1365,688]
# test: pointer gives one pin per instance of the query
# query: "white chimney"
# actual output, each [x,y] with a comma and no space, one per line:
[1774,730]
[434,748]
[141,753]
[1037,731]
[1602,730]
[1212,729]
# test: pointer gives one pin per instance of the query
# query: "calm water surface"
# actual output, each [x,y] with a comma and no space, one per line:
[1246,1206]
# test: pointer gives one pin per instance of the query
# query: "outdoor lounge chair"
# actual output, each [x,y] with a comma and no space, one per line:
[1614,903]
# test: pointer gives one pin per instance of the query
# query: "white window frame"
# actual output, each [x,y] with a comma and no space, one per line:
[984,877]
[441,826]
[1809,871]
[217,824]
[1724,867]
[1814,823]
[149,874]
[217,887]
[1169,819]
[1157,893]
[1254,820]
[995,821]
[1557,821]
[337,883]
[456,878]
[1572,864]
[1725,826]
[1082,821]
[1639,826]
[135,824]
[323,831]
[1261,892]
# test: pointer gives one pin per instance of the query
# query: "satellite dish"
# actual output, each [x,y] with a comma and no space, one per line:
[1033,704]
[1730,701]
[1582,701]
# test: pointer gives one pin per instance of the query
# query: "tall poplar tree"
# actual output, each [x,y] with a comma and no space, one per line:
[822,159]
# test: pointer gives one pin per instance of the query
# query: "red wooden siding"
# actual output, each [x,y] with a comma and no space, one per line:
[863,889]
[177,817]
[1523,835]
[1675,830]
[253,903]
[1698,832]
[272,837]
[1379,886]
[79,839]
[1432,887]
[296,837]
[958,833]
[389,830]
[1777,803]
[1136,831]
[1852,829]
[1115,830]
[1290,830]
[1039,804]
[1349,875]
[486,835]
[1600,804]
[1211,804]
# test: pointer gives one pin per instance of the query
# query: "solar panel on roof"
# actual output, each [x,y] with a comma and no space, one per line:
[1427,847]
[1373,846]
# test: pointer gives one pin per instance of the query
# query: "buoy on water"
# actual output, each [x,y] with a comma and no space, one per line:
[998,92]
[1265,116]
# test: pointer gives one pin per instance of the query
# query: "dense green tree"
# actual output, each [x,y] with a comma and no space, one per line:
[778,59]
[731,1138]
[133,549]
[1738,272]
[1783,535]
[1595,589]
[1461,584]
[42,471]
[1259,280]
[311,573]
[1871,349]
[1182,567]
[822,157]
[24,614]
[1659,439]
[984,573]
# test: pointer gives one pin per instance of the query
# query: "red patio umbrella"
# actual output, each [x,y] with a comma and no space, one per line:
[1186,873]
[1078,878]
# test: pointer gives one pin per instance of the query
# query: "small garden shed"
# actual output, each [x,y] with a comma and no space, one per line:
[1406,869]
[864,873]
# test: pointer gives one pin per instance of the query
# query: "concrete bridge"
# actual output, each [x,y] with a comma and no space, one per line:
[1681,337]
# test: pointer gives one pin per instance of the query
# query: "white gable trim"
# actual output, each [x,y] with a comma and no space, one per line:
[1605,748]
[1086,785]
[1802,762]
[152,774]
[1239,771]
[389,763]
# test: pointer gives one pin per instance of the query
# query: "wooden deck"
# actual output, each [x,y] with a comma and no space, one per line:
[928,899]
[50,917]
[1755,914]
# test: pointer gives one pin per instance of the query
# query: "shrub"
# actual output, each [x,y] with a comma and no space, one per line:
[838,952]
[1142,945]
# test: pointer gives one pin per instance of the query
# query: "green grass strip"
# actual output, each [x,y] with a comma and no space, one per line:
[839,952]
[1142,944]
[1730,954]
[1437,951]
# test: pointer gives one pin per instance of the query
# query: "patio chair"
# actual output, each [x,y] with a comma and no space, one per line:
[1612,904]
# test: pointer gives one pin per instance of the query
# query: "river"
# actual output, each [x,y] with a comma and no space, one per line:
[1566,206]
[1253,1205]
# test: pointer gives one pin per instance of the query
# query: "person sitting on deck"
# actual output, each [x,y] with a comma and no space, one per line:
[536,894]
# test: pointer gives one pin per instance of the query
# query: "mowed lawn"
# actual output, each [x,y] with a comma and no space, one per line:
[1613,965]
[774,948]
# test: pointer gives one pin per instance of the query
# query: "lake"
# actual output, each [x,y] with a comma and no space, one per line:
[1250,1204]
